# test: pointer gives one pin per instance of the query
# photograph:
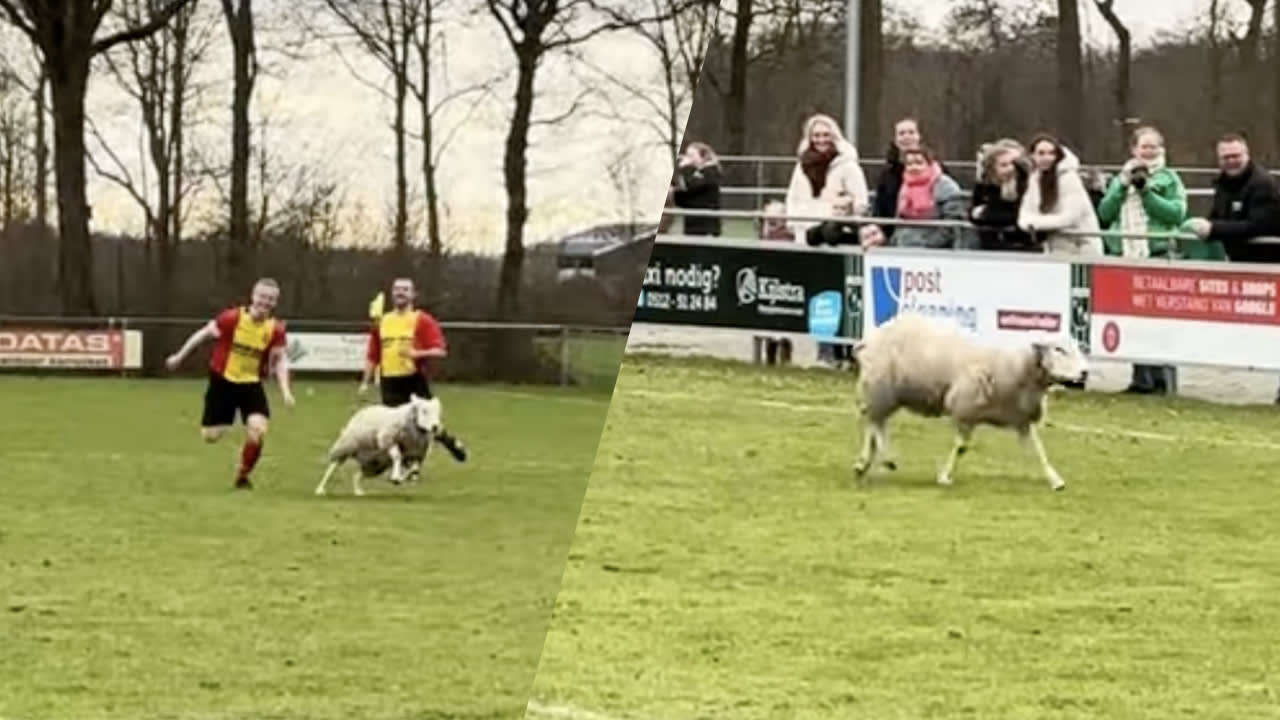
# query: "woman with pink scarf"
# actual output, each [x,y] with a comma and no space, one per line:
[927,193]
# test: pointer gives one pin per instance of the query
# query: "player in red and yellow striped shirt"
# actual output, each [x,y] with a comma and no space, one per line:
[248,341]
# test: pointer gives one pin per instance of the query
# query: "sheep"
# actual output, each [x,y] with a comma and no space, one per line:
[377,436]
[930,368]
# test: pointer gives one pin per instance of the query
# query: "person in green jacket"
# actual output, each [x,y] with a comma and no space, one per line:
[1146,196]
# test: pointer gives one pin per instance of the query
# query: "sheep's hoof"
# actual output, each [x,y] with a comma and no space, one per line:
[1059,488]
[944,479]
[320,491]
[860,469]
[890,465]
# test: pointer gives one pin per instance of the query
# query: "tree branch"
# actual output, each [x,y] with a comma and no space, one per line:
[158,21]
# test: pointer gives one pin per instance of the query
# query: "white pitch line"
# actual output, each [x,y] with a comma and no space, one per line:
[1053,424]
[538,710]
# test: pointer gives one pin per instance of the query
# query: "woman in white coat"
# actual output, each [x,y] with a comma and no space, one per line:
[1057,202]
[826,168]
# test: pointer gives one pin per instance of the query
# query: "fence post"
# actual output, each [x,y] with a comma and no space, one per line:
[565,359]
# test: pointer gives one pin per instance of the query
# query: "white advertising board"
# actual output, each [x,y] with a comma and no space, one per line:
[1001,302]
[1202,317]
[70,349]
[327,352]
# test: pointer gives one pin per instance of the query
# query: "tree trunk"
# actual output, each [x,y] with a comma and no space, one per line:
[1124,65]
[68,81]
[1070,76]
[1275,74]
[735,102]
[514,165]
[871,75]
[401,237]
[240,247]
[42,150]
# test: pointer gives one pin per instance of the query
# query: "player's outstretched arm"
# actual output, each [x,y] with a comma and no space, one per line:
[207,332]
[280,361]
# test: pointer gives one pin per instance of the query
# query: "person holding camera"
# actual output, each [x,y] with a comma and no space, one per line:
[1146,196]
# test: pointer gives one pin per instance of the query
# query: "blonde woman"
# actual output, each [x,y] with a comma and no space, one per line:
[826,167]
[1057,203]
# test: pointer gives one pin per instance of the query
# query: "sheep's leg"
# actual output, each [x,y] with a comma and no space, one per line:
[869,434]
[883,448]
[357,486]
[1031,439]
[327,474]
[964,433]
[397,464]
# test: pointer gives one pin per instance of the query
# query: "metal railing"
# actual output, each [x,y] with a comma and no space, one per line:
[859,220]
[762,160]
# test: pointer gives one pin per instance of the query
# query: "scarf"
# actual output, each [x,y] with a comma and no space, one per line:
[1133,217]
[814,164]
[915,199]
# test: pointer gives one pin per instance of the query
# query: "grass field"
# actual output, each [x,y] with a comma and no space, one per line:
[135,584]
[724,565]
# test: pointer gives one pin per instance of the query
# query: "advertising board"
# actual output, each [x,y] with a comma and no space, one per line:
[1209,317]
[749,288]
[998,301]
[26,347]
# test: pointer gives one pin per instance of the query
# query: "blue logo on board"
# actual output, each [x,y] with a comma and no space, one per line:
[886,293]
[825,311]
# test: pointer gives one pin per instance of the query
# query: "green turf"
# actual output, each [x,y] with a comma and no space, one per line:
[135,584]
[725,567]
[593,358]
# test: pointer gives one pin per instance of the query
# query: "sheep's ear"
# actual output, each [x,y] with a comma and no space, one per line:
[1041,349]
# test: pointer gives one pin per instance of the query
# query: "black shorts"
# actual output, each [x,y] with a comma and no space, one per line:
[396,390]
[223,399]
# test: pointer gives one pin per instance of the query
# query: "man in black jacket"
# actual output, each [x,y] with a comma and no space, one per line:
[1246,206]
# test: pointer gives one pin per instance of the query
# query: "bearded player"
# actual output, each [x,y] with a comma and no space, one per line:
[247,342]
[401,343]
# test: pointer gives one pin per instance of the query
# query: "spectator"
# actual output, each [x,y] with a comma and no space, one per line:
[826,166]
[906,136]
[1246,206]
[1057,202]
[773,226]
[831,232]
[927,193]
[698,188]
[1145,197]
[1002,176]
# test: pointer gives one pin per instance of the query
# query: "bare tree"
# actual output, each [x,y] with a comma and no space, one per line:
[241,248]
[1070,74]
[385,29]
[1124,66]
[534,29]
[157,73]
[66,33]
[1275,72]
[871,72]
[15,129]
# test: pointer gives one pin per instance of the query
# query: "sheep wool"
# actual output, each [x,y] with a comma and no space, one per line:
[931,368]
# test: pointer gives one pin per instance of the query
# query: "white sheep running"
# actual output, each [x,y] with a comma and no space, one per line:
[930,368]
[377,436]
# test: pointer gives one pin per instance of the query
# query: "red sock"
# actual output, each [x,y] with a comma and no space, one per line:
[249,454]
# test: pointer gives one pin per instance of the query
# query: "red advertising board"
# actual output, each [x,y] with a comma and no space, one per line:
[1205,295]
[43,347]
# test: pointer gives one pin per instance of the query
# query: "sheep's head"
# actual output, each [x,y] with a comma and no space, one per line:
[427,413]
[1061,360]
